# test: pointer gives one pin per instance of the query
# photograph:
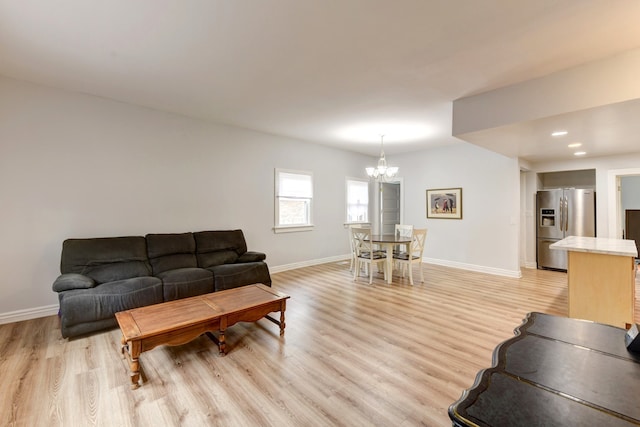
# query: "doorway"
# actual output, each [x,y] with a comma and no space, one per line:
[389,207]
[615,202]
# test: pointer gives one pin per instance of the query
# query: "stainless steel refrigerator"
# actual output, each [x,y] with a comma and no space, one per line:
[561,213]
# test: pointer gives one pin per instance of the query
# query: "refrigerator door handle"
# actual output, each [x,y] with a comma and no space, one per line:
[564,216]
[561,214]
[566,213]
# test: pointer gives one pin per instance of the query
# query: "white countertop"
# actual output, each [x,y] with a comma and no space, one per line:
[600,245]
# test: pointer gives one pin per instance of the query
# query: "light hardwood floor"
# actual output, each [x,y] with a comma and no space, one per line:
[353,354]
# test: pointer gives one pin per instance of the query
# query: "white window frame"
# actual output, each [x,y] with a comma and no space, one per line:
[346,196]
[285,228]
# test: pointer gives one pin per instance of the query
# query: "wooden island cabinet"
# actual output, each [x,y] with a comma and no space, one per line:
[601,278]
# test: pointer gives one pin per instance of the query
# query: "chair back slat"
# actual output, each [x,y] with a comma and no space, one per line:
[360,238]
[363,248]
[403,230]
[417,242]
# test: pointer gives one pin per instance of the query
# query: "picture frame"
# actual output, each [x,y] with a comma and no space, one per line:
[444,203]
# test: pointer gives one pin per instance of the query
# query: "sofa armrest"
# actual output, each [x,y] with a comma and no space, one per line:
[66,282]
[251,256]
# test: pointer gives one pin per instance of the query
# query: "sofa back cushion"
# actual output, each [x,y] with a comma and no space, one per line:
[171,251]
[219,247]
[106,259]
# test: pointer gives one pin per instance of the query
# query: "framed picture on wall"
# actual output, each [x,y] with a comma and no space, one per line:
[444,203]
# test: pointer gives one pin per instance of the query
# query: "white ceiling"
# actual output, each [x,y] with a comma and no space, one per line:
[335,72]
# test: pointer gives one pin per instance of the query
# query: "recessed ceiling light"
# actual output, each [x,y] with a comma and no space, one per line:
[579,153]
[559,133]
[574,145]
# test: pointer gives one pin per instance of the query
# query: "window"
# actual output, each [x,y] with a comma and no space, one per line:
[294,201]
[357,200]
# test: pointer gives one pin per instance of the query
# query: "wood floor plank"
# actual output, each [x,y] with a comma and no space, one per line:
[353,354]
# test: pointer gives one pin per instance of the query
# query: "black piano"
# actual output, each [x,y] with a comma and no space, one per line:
[555,371]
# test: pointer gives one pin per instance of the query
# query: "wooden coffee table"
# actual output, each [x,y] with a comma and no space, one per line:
[180,321]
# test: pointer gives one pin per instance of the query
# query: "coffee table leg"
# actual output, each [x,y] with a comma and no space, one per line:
[283,307]
[131,350]
[135,371]
[222,342]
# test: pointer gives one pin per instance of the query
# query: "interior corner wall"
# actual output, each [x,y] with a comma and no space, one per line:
[73,165]
[528,200]
[487,236]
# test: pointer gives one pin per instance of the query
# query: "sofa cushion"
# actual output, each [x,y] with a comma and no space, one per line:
[251,256]
[230,276]
[186,282]
[106,259]
[218,247]
[69,281]
[103,301]
[171,251]
[212,259]
[210,241]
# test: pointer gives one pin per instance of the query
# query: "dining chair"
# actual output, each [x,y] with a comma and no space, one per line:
[365,253]
[414,254]
[351,245]
[402,230]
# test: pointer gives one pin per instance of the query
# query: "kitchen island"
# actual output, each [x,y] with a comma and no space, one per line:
[601,278]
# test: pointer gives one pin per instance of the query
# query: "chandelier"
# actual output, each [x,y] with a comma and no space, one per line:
[382,172]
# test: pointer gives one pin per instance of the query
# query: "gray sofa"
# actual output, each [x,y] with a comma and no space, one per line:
[101,276]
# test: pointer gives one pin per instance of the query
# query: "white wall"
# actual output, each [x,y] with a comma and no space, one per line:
[73,165]
[486,239]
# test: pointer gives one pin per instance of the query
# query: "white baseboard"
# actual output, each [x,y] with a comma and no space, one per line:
[293,266]
[28,314]
[472,267]
[530,264]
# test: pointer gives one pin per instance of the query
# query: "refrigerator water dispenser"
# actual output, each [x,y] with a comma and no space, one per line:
[547,217]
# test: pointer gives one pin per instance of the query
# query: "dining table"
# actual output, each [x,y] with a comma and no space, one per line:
[388,242]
